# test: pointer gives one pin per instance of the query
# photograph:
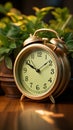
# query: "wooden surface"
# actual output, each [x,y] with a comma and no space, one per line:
[27,115]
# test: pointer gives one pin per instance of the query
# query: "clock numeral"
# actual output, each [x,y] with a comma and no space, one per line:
[50,62]
[25,70]
[50,80]
[27,61]
[26,78]
[31,84]
[45,86]
[52,71]
[37,87]
[39,54]
[45,57]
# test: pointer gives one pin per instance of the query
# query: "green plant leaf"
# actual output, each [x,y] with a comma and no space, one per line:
[1,58]
[41,13]
[4,50]
[12,45]
[2,9]
[8,62]
[14,32]
[8,6]
[3,39]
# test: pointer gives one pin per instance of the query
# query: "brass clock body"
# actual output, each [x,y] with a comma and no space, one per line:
[42,69]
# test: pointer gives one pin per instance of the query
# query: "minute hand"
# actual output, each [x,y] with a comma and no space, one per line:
[43,65]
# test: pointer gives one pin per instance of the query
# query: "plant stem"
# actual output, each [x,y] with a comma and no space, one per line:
[67,21]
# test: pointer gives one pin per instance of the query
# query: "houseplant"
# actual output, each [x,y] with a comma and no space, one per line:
[15,27]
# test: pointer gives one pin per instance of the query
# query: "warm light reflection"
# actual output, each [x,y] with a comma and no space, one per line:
[48,116]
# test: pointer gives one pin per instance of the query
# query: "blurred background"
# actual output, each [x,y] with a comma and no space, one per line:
[25,6]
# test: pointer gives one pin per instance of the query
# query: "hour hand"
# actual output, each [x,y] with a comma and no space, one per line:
[33,67]
[30,65]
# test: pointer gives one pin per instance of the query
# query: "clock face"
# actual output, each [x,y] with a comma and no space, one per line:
[37,71]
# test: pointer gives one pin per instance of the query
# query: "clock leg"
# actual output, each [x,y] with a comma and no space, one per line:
[22,97]
[52,99]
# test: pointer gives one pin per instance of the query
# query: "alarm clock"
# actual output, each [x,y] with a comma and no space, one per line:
[41,69]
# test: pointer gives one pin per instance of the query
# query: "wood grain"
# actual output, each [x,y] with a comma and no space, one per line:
[28,115]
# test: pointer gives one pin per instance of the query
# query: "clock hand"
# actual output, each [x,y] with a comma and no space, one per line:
[33,67]
[37,70]
[43,65]
[30,65]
